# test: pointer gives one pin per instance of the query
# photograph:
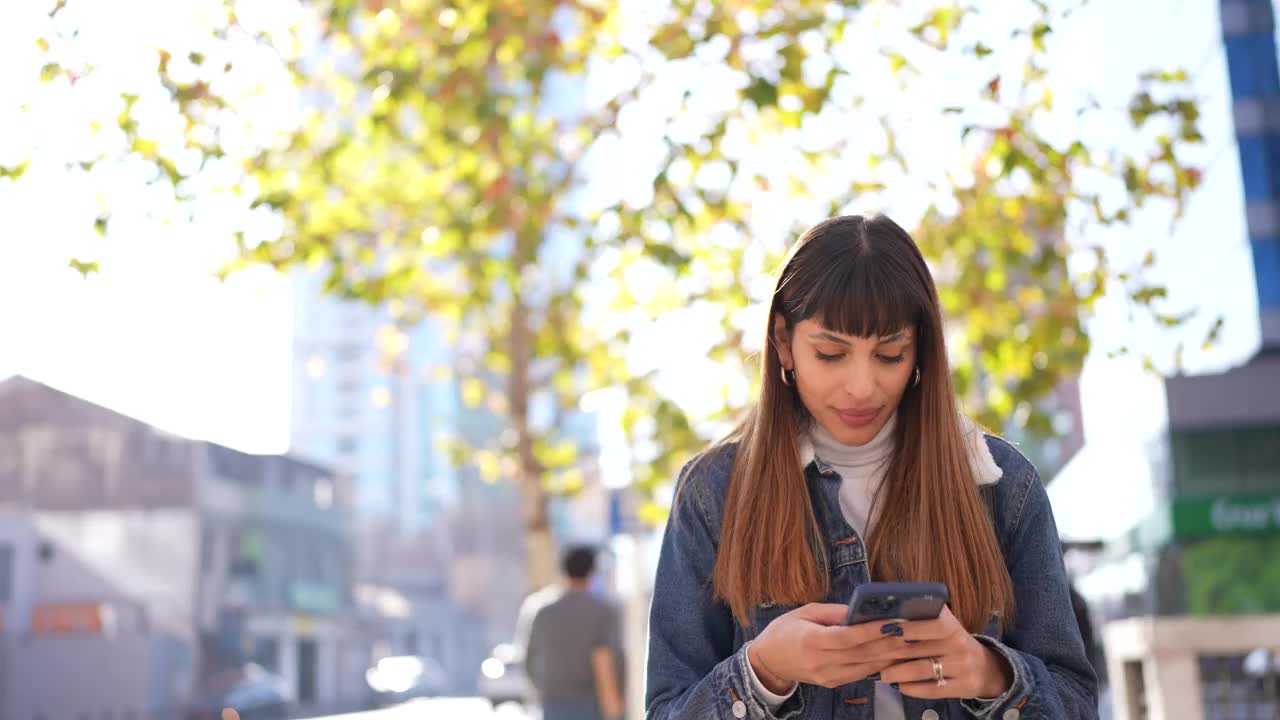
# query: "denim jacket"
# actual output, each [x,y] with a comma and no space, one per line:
[697,665]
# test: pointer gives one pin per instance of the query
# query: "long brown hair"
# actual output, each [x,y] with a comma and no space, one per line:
[859,277]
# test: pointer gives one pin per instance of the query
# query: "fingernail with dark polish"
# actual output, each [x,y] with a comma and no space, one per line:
[893,629]
[894,686]
[874,677]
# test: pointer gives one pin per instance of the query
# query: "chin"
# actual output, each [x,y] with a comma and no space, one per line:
[854,436]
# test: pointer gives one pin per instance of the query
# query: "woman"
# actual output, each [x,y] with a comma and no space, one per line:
[855,464]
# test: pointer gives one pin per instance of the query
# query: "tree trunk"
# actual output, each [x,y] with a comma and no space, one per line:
[533,499]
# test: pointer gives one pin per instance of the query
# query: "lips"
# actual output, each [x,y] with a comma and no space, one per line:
[857,417]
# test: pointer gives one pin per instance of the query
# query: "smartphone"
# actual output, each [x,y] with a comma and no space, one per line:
[896,601]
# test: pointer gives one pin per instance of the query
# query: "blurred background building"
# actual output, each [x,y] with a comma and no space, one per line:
[146,564]
[382,404]
[367,400]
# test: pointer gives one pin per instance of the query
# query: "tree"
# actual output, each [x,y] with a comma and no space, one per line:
[450,157]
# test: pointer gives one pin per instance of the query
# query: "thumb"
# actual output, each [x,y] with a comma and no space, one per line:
[824,613]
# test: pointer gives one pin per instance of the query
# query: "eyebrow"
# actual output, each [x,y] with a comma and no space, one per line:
[829,337]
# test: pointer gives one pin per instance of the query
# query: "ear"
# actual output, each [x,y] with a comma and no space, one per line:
[782,342]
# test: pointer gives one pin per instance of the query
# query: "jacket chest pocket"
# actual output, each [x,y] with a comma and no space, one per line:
[762,615]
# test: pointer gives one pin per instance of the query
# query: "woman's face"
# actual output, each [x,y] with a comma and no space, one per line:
[851,385]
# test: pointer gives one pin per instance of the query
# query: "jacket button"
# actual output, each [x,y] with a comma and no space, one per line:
[929,714]
[1012,714]
[739,709]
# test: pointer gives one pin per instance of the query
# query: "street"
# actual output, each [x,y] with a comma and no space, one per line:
[439,709]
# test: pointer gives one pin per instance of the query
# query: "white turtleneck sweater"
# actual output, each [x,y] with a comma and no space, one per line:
[861,469]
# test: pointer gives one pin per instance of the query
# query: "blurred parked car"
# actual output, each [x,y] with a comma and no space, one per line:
[401,678]
[253,692]
[503,679]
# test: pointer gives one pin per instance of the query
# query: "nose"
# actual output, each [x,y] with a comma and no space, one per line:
[860,383]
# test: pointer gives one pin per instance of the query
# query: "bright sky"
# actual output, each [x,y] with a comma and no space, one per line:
[154,336]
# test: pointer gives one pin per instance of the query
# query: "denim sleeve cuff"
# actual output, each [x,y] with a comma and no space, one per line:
[771,700]
[1015,697]
[754,705]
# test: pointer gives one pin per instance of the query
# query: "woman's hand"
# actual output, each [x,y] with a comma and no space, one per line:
[971,669]
[811,644]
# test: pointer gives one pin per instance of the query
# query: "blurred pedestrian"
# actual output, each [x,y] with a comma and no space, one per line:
[855,464]
[1092,644]
[573,647]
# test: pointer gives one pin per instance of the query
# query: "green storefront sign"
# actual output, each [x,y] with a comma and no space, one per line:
[314,598]
[1211,555]
[1225,515]
[1229,545]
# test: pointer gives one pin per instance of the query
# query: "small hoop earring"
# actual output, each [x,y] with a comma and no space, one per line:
[917,380]
[783,372]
